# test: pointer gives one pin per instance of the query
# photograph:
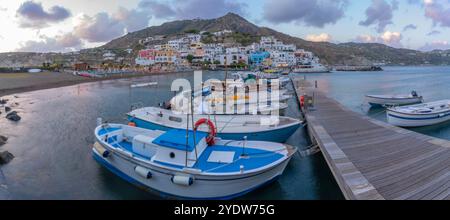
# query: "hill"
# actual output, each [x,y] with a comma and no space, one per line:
[245,33]
[330,53]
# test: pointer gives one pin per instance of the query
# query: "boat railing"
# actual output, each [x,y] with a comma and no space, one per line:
[136,105]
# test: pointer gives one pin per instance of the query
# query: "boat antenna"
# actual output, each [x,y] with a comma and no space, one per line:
[193,123]
[225,85]
[187,137]
[243,147]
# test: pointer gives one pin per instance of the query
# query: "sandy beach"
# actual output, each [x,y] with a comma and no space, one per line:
[11,83]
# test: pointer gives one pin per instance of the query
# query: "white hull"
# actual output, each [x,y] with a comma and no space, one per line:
[392,101]
[135,155]
[419,115]
[204,187]
[312,69]
[233,127]
[241,103]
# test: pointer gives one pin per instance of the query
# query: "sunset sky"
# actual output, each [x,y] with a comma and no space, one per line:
[67,25]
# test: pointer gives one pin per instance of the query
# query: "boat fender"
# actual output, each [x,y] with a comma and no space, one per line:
[302,101]
[182,180]
[143,172]
[101,150]
[132,124]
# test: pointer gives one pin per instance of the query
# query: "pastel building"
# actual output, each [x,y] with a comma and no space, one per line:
[257,58]
[146,57]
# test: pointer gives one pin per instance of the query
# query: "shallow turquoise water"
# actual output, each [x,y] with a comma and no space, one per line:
[52,145]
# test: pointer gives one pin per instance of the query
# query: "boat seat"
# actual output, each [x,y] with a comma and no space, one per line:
[143,145]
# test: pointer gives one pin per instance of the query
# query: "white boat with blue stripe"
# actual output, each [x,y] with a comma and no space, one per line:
[420,115]
[181,163]
[230,127]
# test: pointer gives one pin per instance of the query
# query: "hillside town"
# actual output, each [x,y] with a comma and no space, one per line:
[190,50]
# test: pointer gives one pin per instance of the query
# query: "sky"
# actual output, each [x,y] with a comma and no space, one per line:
[68,25]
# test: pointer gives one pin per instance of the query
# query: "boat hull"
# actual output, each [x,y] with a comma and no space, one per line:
[203,187]
[380,102]
[416,120]
[280,135]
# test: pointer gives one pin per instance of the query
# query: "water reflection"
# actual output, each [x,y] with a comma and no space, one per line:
[52,145]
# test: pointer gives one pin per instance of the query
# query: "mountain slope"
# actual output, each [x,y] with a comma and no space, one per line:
[334,54]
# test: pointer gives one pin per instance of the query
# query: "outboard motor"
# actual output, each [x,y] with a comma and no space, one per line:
[414,94]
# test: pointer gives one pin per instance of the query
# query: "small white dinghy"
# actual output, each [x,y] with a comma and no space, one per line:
[394,100]
[188,164]
[420,115]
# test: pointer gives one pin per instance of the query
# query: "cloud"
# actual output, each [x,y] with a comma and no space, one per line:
[33,15]
[379,13]
[434,33]
[99,28]
[181,9]
[438,12]
[316,13]
[207,8]
[409,27]
[324,37]
[104,27]
[392,39]
[133,19]
[61,43]
[157,9]
[436,45]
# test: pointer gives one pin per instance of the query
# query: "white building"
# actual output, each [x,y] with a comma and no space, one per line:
[283,58]
[222,33]
[144,62]
[233,58]
[109,56]
[193,38]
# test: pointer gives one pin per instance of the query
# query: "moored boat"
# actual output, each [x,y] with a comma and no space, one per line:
[207,101]
[232,127]
[420,115]
[188,164]
[312,67]
[394,100]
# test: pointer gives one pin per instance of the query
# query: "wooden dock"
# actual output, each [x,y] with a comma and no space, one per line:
[372,160]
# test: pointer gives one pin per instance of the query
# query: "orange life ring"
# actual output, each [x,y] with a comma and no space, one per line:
[212,130]
[132,124]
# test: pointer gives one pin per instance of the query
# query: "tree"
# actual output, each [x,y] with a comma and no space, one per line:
[192,31]
[216,62]
[190,58]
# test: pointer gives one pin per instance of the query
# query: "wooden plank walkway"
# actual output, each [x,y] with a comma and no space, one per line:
[371,159]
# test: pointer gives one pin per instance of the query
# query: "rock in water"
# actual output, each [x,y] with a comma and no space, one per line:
[3,140]
[6,157]
[13,116]
[7,109]
[3,101]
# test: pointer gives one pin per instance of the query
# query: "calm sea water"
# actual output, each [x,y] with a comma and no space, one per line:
[349,88]
[52,145]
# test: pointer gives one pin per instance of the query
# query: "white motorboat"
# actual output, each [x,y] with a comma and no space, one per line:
[231,127]
[213,102]
[394,100]
[313,67]
[419,115]
[188,164]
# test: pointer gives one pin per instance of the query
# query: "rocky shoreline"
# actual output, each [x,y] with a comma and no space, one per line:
[6,156]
